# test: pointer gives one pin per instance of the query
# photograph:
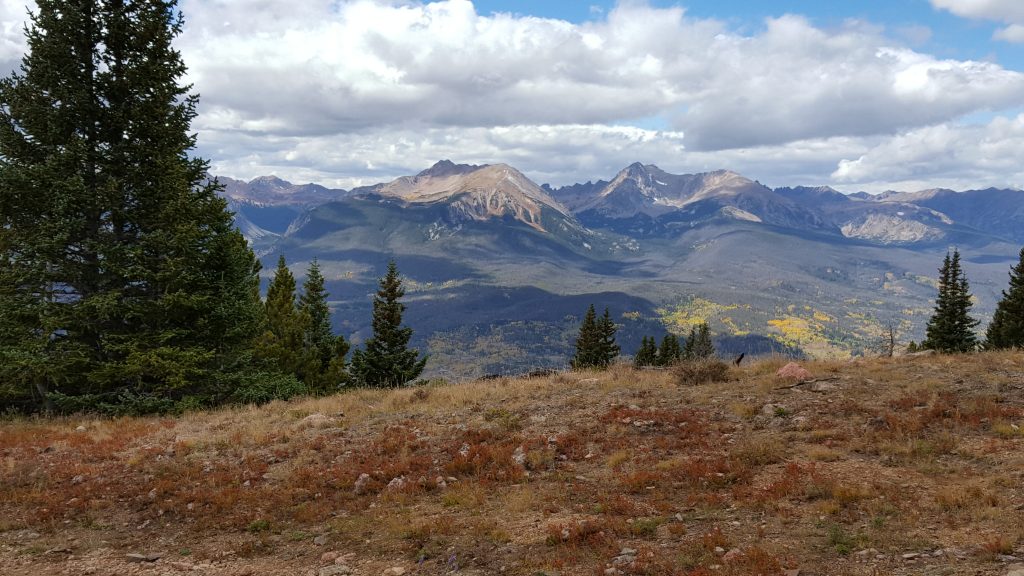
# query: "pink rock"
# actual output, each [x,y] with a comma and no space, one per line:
[329,557]
[793,371]
[732,555]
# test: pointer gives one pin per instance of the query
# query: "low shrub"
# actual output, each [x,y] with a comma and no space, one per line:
[696,372]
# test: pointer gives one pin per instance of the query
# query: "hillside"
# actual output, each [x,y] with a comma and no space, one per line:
[902,466]
[499,269]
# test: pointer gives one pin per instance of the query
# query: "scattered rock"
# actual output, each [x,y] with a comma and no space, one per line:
[397,483]
[320,540]
[77,480]
[821,387]
[316,420]
[1015,570]
[519,456]
[441,484]
[719,550]
[329,557]
[731,555]
[626,557]
[336,570]
[793,572]
[139,558]
[361,482]
[910,555]
[80,429]
[394,571]
[793,371]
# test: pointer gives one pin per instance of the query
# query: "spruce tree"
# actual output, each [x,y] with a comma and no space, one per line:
[386,360]
[587,342]
[124,276]
[1007,327]
[669,352]
[688,347]
[330,371]
[647,355]
[608,350]
[283,345]
[702,347]
[951,328]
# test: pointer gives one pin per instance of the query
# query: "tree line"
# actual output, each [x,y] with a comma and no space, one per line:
[124,284]
[596,347]
[951,326]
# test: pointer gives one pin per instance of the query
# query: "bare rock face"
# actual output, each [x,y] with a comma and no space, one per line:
[793,371]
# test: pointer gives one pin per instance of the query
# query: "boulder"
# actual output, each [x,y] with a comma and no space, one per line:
[793,371]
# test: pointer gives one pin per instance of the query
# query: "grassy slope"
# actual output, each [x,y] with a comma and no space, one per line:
[900,456]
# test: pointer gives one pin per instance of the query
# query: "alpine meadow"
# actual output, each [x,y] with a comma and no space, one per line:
[621,288]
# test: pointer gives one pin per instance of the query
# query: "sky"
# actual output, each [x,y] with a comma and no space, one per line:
[860,95]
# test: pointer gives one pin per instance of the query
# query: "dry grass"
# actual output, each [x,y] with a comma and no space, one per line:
[544,475]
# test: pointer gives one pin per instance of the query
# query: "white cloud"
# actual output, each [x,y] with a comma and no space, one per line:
[956,156]
[321,89]
[1008,11]
[1004,10]
[1012,33]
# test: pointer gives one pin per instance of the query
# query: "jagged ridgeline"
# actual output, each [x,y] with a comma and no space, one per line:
[499,269]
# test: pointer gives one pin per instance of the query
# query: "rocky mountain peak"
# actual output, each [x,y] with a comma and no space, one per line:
[446,168]
[269,182]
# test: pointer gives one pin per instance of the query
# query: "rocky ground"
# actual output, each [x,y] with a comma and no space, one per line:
[896,466]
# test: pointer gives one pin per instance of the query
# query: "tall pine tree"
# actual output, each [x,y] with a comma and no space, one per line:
[608,349]
[587,342]
[699,345]
[386,359]
[123,277]
[1007,327]
[669,352]
[595,344]
[330,372]
[951,328]
[647,355]
[283,345]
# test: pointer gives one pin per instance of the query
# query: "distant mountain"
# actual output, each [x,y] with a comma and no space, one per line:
[499,269]
[645,200]
[994,211]
[266,206]
[476,193]
[273,191]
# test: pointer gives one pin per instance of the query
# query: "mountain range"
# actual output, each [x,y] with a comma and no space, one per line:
[499,268]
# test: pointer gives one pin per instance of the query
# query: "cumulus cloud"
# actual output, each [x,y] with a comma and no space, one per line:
[1008,11]
[1012,33]
[368,65]
[959,155]
[350,92]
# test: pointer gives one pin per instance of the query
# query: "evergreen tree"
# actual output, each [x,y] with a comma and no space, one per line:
[608,350]
[329,350]
[647,355]
[1007,327]
[951,329]
[123,276]
[386,360]
[669,352]
[699,345]
[588,342]
[912,347]
[283,345]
